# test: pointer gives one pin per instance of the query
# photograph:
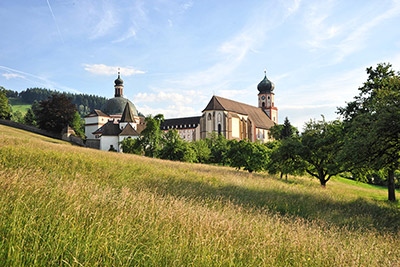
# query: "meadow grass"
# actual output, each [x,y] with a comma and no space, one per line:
[72,206]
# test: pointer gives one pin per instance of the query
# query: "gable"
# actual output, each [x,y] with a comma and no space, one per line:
[255,114]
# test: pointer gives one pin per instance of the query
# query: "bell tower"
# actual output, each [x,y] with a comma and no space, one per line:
[119,86]
[266,97]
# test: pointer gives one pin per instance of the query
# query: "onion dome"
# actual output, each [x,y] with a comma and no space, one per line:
[119,81]
[265,86]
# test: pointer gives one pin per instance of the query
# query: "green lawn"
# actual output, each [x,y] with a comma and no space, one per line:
[66,205]
[18,105]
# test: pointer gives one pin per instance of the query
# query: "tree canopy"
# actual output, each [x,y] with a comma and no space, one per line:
[55,113]
[372,125]
[5,110]
[150,139]
[320,144]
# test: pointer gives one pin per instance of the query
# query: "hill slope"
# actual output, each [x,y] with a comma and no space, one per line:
[61,204]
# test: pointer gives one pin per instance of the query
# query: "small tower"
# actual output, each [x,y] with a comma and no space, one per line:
[119,86]
[266,98]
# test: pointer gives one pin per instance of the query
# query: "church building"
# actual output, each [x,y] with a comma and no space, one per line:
[232,119]
[119,119]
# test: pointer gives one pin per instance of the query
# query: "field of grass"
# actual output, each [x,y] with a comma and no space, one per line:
[18,105]
[66,205]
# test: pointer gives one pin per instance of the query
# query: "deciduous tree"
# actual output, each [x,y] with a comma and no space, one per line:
[320,144]
[55,113]
[175,148]
[151,136]
[372,125]
[5,109]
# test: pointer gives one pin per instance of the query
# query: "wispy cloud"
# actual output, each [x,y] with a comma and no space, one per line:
[37,80]
[107,22]
[317,25]
[101,69]
[346,35]
[131,33]
[355,40]
[55,22]
[292,8]
[12,75]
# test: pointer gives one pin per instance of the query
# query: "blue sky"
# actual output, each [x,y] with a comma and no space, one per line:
[174,55]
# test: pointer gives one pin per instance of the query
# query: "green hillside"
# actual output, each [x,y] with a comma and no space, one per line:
[19,105]
[66,205]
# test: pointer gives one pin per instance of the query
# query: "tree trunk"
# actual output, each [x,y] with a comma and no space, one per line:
[281,175]
[391,187]
[321,177]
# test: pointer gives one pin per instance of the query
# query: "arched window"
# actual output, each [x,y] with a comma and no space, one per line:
[263,104]
[219,129]
[209,116]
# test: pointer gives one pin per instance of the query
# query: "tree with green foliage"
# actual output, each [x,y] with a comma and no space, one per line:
[151,136]
[201,150]
[78,125]
[132,146]
[282,131]
[55,113]
[5,109]
[17,116]
[30,118]
[284,158]
[175,148]
[218,145]
[247,155]
[320,144]
[372,125]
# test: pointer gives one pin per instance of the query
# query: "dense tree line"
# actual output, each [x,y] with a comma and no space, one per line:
[84,103]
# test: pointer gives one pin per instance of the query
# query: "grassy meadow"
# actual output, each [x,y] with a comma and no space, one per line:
[19,105]
[65,205]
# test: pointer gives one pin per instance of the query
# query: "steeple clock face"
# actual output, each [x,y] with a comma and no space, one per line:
[263,97]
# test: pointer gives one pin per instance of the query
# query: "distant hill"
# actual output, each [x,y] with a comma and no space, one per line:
[66,205]
[85,103]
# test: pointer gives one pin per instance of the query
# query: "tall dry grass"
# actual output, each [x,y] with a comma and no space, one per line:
[65,205]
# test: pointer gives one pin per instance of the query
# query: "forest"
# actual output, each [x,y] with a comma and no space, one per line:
[84,103]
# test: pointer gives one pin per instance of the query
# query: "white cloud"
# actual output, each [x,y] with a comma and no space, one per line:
[101,69]
[171,111]
[162,97]
[12,76]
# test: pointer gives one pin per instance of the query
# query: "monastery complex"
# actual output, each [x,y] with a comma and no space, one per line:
[119,119]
